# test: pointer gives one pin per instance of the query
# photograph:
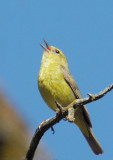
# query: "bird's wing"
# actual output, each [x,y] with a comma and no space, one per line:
[71,82]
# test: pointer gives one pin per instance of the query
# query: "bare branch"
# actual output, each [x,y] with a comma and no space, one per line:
[91,98]
[45,125]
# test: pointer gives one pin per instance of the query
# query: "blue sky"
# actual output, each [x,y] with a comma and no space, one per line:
[83,30]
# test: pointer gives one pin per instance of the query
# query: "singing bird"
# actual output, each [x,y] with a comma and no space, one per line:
[55,83]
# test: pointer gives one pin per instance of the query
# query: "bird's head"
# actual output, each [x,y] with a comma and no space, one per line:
[54,55]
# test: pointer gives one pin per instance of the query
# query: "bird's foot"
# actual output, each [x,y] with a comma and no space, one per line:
[71,113]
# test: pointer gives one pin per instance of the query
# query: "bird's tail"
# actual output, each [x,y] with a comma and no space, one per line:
[89,136]
[93,142]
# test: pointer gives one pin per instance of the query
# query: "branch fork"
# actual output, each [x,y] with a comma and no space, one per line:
[60,114]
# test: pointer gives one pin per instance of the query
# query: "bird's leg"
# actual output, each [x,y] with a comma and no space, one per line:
[59,107]
[71,111]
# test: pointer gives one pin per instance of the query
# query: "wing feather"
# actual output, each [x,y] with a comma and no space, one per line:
[71,82]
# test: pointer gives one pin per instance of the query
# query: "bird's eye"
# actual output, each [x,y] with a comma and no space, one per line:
[57,51]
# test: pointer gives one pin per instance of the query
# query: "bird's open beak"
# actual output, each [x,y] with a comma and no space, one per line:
[45,49]
[47,45]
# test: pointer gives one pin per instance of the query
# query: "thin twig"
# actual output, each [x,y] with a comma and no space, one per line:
[45,125]
[91,98]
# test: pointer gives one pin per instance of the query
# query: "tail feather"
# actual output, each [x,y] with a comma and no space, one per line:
[88,134]
[93,143]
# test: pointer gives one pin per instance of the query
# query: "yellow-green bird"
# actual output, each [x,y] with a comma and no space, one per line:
[57,84]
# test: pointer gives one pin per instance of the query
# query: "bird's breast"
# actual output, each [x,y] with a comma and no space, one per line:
[55,88]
